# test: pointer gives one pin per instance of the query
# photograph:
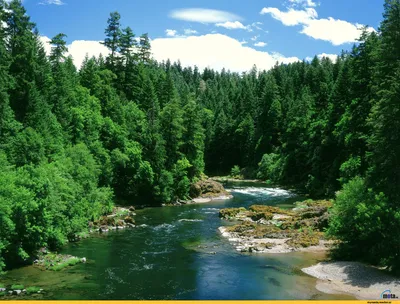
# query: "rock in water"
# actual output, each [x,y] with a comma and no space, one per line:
[129,220]
[16,292]
[207,188]
[83,260]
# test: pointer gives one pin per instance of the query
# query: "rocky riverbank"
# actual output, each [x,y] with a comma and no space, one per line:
[267,229]
[120,218]
[353,278]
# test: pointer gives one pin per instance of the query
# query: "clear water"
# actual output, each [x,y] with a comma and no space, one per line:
[178,253]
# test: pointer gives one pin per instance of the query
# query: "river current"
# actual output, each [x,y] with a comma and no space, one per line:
[178,253]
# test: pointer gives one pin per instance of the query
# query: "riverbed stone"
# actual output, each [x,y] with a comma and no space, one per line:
[16,292]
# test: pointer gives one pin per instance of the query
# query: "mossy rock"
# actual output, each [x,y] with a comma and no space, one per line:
[267,245]
[119,223]
[304,240]
[263,231]
[241,227]
[269,209]
[230,212]
[313,212]
[107,221]
[256,216]
[312,203]
[129,220]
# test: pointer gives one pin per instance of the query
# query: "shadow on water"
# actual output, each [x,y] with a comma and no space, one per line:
[178,253]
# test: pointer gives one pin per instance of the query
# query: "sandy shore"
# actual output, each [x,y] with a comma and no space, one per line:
[353,278]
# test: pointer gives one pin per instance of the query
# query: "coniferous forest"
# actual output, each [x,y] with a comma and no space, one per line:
[126,128]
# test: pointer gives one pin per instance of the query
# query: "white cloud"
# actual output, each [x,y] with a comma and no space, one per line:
[332,57]
[291,17]
[170,33]
[46,44]
[308,3]
[213,50]
[78,49]
[216,51]
[260,44]
[243,42]
[48,2]
[203,15]
[256,25]
[333,30]
[254,38]
[189,32]
[234,25]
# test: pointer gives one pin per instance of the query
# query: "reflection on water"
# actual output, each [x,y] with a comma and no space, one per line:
[177,253]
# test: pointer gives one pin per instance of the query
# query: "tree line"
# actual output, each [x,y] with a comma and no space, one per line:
[128,128]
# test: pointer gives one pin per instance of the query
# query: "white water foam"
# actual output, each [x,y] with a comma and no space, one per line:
[255,191]
[166,227]
[190,220]
[148,266]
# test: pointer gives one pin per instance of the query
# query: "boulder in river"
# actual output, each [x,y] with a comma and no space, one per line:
[16,292]
[207,188]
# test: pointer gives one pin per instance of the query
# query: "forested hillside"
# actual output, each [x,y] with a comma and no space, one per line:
[126,127]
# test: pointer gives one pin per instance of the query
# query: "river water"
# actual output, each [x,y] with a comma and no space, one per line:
[178,253]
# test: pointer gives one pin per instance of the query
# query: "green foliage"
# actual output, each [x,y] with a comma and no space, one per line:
[235,171]
[181,180]
[17,287]
[362,219]
[69,262]
[270,167]
[32,289]
[128,127]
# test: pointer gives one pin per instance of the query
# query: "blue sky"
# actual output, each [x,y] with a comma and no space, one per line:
[224,33]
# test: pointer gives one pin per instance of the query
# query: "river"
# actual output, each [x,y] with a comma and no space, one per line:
[178,253]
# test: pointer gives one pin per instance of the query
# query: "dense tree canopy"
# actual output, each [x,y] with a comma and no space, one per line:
[128,128]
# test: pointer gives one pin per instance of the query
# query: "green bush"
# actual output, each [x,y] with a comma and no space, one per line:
[366,225]
[17,287]
[235,171]
[270,168]
[33,289]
